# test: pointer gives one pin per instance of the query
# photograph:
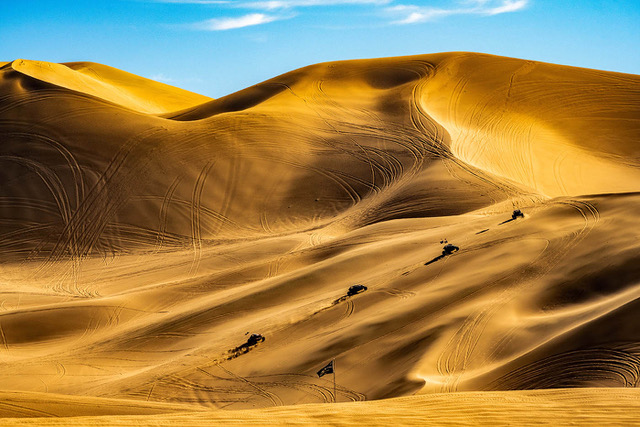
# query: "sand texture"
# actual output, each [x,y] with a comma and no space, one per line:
[599,407]
[146,231]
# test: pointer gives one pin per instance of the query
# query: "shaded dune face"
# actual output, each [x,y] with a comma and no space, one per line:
[146,230]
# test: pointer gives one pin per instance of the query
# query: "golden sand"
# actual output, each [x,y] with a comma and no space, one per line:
[576,407]
[145,231]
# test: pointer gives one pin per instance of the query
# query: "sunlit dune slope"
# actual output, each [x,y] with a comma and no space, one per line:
[139,250]
[111,84]
[583,407]
[560,130]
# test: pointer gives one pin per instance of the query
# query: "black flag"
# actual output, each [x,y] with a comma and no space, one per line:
[326,370]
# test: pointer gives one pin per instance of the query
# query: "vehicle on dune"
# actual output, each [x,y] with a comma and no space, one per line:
[254,339]
[356,289]
[449,249]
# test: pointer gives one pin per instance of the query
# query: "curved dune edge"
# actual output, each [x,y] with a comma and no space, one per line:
[113,85]
[139,250]
[597,407]
[552,128]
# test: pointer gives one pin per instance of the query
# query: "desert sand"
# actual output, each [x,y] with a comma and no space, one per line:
[583,407]
[147,231]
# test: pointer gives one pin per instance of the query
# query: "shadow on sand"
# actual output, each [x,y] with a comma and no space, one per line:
[446,251]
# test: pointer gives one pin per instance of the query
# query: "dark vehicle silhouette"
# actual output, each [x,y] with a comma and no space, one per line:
[515,215]
[254,339]
[446,251]
[244,348]
[449,249]
[356,289]
[353,290]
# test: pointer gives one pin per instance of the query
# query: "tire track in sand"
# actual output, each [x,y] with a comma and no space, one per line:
[454,359]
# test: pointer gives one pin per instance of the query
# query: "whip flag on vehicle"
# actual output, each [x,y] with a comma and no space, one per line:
[326,370]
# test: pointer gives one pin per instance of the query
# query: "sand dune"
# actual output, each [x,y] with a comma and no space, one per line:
[45,405]
[146,230]
[110,84]
[584,407]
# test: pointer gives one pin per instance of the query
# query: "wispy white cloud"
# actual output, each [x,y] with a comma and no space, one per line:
[265,11]
[412,14]
[288,4]
[276,4]
[258,18]
[194,1]
[160,77]
[230,23]
[508,6]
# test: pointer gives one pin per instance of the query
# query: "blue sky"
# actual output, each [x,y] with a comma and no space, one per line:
[218,47]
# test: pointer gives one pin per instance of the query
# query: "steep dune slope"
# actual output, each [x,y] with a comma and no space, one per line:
[139,250]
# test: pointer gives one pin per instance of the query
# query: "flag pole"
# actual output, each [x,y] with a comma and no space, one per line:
[335,396]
